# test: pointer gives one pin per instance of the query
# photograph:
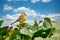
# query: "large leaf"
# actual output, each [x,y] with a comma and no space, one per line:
[47,23]
[1,21]
[19,36]
[42,33]
[25,30]
[47,20]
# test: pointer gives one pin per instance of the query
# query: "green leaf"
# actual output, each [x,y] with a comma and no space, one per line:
[1,37]
[48,20]
[25,31]
[25,37]
[3,31]
[1,21]
[35,22]
[39,38]
[14,35]
[19,36]
[33,28]
[47,23]
[39,33]
[43,33]
[23,24]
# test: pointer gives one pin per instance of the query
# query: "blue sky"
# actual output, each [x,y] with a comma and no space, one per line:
[34,8]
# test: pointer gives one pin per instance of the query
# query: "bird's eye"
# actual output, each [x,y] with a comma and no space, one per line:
[22,16]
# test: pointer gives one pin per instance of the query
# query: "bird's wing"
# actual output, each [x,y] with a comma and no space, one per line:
[12,23]
[17,20]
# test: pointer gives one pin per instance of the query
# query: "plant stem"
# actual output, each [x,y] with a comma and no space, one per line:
[50,32]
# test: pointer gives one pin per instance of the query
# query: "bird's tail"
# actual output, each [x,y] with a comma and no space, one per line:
[12,23]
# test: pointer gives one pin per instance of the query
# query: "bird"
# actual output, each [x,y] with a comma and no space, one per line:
[21,18]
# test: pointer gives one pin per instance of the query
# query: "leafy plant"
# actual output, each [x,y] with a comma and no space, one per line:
[26,31]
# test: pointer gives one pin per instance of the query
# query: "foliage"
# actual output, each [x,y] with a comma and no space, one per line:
[25,31]
[1,21]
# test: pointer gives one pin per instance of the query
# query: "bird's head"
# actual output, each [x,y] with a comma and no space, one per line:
[24,14]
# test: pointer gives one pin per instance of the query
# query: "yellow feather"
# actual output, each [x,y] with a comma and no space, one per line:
[23,18]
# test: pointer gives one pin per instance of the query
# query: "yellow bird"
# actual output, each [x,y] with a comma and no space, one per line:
[21,19]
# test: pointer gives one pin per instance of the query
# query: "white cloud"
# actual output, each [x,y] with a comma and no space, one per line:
[53,17]
[42,15]
[28,11]
[50,15]
[7,7]
[34,1]
[30,22]
[11,17]
[8,19]
[16,0]
[46,0]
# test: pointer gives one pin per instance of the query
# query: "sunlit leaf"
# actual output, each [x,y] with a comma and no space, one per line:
[25,30]
[1,21]
[42,33]
[47,23]
[23,25]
